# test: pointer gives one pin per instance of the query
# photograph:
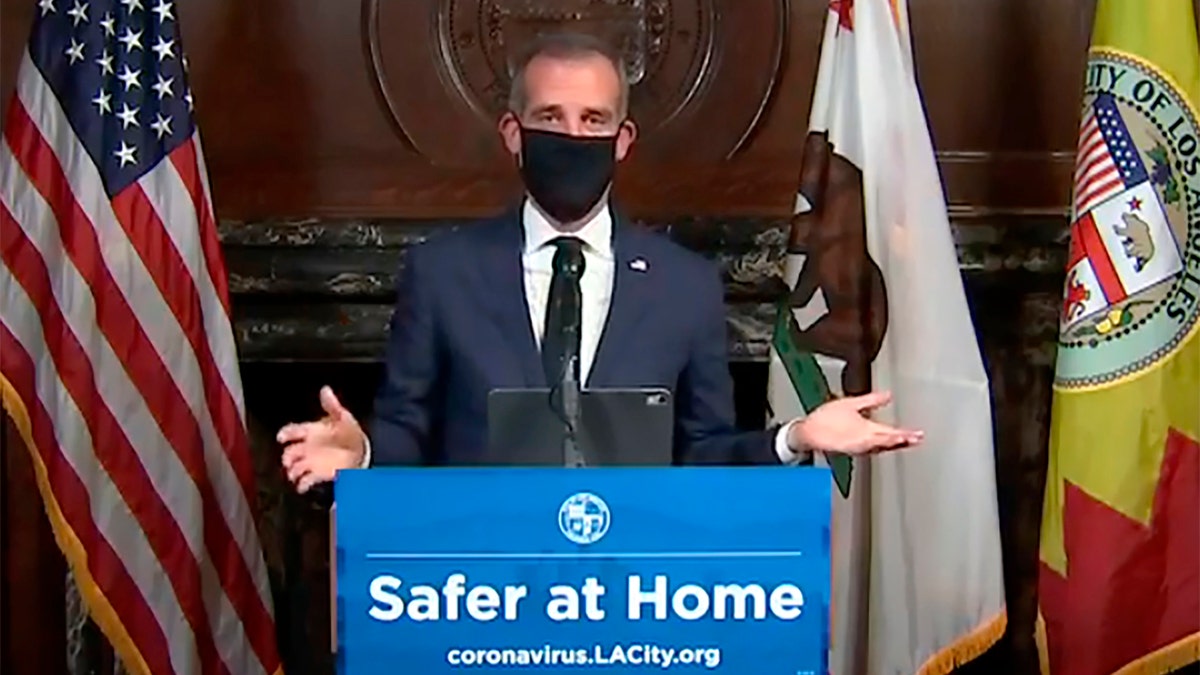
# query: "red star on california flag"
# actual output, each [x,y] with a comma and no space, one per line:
[845,11]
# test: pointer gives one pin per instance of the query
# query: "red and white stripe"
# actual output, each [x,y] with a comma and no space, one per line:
[115,332]
[1087,243]
[1097,177]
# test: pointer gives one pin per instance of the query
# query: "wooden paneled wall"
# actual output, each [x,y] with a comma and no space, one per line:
[384,108]
[339,133]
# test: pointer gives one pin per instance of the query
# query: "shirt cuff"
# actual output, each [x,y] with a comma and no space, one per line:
[785,452]
[366,460]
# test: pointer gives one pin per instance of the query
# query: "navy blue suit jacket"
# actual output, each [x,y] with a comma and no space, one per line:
[461,328]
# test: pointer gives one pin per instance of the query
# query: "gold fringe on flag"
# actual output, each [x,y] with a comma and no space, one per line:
[99,607]
[1182,652]
[966,648]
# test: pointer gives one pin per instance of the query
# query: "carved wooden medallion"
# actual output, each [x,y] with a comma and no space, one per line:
[701,70]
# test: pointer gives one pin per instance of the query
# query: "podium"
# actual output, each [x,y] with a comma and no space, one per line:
[556,570]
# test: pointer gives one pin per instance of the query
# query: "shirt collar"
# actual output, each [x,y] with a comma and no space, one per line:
[596,233]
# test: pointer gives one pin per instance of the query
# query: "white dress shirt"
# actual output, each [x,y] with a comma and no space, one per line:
[596,285]
[596,288]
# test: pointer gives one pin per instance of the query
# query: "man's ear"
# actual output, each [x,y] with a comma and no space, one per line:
[626,135]
[510,132]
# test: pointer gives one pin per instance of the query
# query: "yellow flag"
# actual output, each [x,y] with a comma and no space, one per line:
[1119,586]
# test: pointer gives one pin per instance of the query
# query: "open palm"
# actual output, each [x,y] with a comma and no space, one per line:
[843,426]
[317,450]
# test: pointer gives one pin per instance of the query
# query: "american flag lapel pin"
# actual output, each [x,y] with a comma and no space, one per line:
[638,265]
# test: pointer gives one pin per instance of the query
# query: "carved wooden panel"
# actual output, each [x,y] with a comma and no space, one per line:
[298,104]
[696,83]
[353,109]
[1002,81]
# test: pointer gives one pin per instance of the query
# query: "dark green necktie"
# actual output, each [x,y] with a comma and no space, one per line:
[560,340]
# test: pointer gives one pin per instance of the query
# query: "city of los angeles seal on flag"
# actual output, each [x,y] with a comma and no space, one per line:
[1119,577]
[1130,295]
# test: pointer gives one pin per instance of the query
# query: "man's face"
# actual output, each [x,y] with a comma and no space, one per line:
[579,96]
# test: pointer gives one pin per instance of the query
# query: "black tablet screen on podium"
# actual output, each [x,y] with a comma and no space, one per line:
[618,427]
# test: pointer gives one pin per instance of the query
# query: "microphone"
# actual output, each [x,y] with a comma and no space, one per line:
[572,454]
[565,389]
[569,387]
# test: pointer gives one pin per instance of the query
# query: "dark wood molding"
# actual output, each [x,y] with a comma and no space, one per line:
[288,102]
[33,625]
[977,184]
[990,186]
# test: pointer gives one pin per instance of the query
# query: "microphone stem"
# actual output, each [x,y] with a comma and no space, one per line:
[572,454]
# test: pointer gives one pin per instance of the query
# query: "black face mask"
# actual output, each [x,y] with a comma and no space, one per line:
[566,175]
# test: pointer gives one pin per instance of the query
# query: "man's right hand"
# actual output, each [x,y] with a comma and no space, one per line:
[317,450]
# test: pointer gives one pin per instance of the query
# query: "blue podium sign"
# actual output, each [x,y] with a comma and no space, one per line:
[550,570]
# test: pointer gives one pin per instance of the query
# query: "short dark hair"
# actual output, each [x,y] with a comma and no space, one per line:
[564,45]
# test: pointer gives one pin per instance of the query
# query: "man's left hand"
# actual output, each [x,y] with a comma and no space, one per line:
[843,426]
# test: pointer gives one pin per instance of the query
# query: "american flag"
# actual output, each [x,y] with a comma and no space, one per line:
[1107,161]
[116,350]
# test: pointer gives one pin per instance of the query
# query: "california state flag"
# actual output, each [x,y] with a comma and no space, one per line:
[877,303]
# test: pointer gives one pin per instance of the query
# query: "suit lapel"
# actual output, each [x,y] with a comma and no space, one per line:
[632,284]
[504,287]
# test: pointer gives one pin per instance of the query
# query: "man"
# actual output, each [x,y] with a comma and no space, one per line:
[472,311]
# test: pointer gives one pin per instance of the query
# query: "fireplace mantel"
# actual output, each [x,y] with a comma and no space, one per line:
[323,289]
